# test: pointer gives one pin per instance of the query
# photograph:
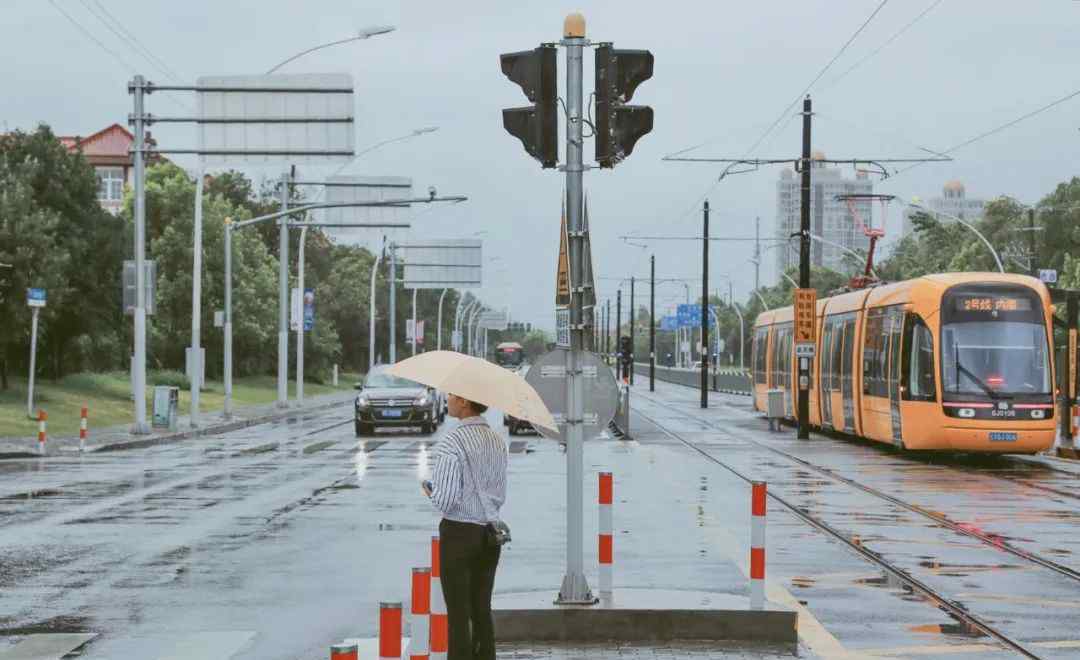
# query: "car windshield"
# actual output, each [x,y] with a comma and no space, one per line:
[382,379]
[995,358]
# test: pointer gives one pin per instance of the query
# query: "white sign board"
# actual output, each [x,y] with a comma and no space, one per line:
[1048,275]
[219,318]
[562,327]
[441,263]
[319,97]
[494,320]
[149,282]
[352,189]
[804,350]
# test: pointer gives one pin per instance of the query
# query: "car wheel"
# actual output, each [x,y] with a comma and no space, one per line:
[427,428]
[358,427]
[364,429]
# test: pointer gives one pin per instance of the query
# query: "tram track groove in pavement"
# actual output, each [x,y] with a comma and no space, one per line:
[930,593]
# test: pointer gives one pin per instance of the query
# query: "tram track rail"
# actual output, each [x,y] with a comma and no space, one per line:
[932,595]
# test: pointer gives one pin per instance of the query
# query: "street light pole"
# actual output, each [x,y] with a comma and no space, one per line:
[227,377]
[705,307]
[366,33]
[196,301]
[804,268]
[138,88]
[392,320]
[371,308]
[300,319]
[633,333]
[283,296]
[438,322]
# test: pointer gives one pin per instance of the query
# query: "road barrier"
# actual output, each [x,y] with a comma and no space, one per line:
[41,416]
[420,614]
[757,545]
[724,379]
[606,536]
[440,631]
[82,429]
[344,652]
[390,630]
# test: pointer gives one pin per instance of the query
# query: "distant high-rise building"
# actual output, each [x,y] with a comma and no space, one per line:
[830,218]
[953,201]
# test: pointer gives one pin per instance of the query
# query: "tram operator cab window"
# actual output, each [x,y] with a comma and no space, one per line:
[918,379]
[993,343]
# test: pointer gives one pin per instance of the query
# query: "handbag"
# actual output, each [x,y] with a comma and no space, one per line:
[496,532]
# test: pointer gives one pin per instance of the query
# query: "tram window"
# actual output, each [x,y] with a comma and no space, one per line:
[918,361]
[874,354]
[841,336]
[761,346]
[895,323]
[848,354]
[826,357]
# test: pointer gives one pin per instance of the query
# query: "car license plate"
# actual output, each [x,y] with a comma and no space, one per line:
[1002,436]
[392,412]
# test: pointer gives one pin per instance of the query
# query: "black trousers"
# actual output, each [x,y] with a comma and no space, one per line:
[467,566]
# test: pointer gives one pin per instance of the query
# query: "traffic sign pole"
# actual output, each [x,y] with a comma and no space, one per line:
[33,360]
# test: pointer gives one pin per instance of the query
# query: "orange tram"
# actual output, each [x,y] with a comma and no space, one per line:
[955,362]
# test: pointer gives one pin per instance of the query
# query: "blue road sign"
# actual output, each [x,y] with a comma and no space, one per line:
[689,316]
[669,323]
[35,297]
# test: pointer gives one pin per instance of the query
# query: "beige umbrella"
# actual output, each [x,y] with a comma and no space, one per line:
[477,380]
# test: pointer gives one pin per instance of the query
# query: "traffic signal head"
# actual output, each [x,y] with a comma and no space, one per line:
[620,126]
[536,125]
[625,347]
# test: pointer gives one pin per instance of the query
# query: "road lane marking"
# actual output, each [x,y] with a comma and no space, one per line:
[210,645]
[51,646]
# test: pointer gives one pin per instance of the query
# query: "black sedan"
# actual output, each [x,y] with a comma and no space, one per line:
[389,401]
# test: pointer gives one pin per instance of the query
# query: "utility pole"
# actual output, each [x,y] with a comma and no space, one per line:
[633,333]
[804,267]
[705,307]
[652,323]
[607,329]
[283,296]
[618,329]
[227,372]
[138,89]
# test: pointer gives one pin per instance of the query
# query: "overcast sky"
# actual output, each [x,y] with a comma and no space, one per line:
[724,72]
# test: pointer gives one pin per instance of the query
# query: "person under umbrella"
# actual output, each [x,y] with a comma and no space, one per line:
[468,486]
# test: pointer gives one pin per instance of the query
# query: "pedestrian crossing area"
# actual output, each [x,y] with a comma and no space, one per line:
[203,645]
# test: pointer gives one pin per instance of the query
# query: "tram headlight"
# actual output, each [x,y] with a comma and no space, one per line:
[1038,413]
[966,412]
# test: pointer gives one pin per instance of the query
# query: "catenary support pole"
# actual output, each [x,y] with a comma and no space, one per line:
[575,587]
[804,267]
[392,320]
[227,376]
[138,386]
[283,296]
[633,328]
[607,328]
[300,318]
[705,307]
[371,310]
[196,300]
[438,321]
[652,323]
[618,331]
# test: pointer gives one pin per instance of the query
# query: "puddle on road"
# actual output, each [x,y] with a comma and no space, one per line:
[57,624]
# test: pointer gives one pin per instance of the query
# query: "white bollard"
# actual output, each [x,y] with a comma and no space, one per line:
[757,546]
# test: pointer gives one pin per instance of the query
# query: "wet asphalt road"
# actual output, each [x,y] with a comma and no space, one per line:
[274,541]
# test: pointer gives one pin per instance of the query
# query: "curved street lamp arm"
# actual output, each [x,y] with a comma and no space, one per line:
[364,34]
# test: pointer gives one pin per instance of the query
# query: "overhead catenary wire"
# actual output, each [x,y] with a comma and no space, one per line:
[116,27]
[799,97]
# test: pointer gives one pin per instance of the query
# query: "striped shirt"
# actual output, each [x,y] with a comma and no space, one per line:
[454,491]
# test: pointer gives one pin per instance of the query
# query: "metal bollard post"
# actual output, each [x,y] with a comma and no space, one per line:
[757,546]
[606,528]
[440,632]
[42,416]
[82,429]
[390,630]
[344,652]
[420,614]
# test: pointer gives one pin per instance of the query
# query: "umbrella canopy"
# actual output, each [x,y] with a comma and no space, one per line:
[477,380]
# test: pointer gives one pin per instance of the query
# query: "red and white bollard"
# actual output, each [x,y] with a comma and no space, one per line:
[606,529]
[41,416]
[390,630]
[420,614]
[440,628]
[344,652]
[82,429]
[757,546]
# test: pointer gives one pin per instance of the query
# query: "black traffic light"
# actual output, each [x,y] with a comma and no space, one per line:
[536,125]
[626,349]
[620,126]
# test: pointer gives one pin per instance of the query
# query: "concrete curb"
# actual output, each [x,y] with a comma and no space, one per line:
[644,625]
[140,443]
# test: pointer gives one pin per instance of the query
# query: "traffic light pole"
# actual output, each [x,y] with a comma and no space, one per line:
[804,269]
[575,587]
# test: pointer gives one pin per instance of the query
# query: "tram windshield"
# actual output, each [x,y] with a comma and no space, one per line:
[995,358]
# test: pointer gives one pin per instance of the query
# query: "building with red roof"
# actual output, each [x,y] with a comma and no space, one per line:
[109,152]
